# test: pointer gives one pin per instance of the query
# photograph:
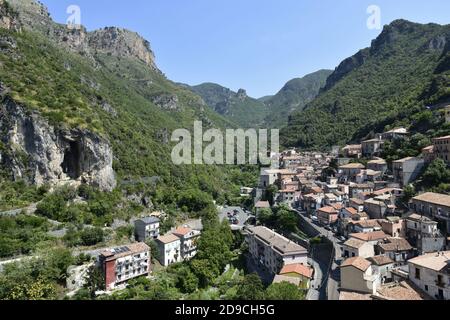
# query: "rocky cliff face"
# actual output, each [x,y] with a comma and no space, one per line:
[37,152]
[8,18]
[122,43]
[115,41]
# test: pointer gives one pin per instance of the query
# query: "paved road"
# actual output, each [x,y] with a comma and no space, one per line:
[242,216]
[333,273]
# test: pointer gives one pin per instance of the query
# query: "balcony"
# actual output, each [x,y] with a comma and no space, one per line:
[440,284]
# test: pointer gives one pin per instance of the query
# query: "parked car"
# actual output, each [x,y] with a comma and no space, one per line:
[314,218]
[342,238]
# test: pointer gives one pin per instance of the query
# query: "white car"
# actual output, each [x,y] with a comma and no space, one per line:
[314,218]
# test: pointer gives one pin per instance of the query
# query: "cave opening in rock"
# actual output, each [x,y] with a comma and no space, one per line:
[72,160]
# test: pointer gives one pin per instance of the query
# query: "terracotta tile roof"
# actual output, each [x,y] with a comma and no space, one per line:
[357,201]
[353,166]
[403,291]
[317,190]
[368,224]
[357,262]
[328,210]
[350,295]
[168,238]
[395,244]
[434,261]
[354,243]
[370,236]
[418,218]
[337,206]
[381,260]
[262,204]
[182,231]
[434,198]
[299,269]
[351,210]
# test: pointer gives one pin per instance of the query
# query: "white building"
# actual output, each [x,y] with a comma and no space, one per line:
[431,273]
[268,177]
[357,248]
[407,170]
[273,251]
[169,249]
[424,234]
[358,275]
[188,238]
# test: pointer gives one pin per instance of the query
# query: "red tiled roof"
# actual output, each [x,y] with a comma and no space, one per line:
[357,262]
[328,210]
[370,236]
[182,231]
[298,268]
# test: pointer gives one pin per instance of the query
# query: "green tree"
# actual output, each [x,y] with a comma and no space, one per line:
[287,221]
[266,217]
[91,236]
[284,291]
[251,288]
[187,281]
[205,270]
[95,281]
[436,173]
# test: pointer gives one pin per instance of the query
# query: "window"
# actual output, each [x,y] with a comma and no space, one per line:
[426,288]
[417,273]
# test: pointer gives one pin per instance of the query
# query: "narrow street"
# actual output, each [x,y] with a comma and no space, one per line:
[326,283]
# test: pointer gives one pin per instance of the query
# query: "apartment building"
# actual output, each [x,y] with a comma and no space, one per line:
[273,251]
[124,263]
[188,238]
[146,228]
[431,273]
[423,233]
[435,206]
[407,170]
[169,247]
[372,147]
[441,148]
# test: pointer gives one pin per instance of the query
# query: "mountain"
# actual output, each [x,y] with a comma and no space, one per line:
[405,68]
[238,107]
[268,111]
[294,96]
[91,107]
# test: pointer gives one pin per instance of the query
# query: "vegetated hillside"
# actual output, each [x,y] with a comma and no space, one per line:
[294,96]
[405,68]
[238,107]
[106,83]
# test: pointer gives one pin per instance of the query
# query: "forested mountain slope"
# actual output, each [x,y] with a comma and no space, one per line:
[405,68]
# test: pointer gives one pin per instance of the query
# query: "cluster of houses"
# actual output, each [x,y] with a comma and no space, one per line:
[386,246]
[123,263]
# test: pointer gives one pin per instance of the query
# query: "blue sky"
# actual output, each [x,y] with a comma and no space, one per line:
[254,44]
